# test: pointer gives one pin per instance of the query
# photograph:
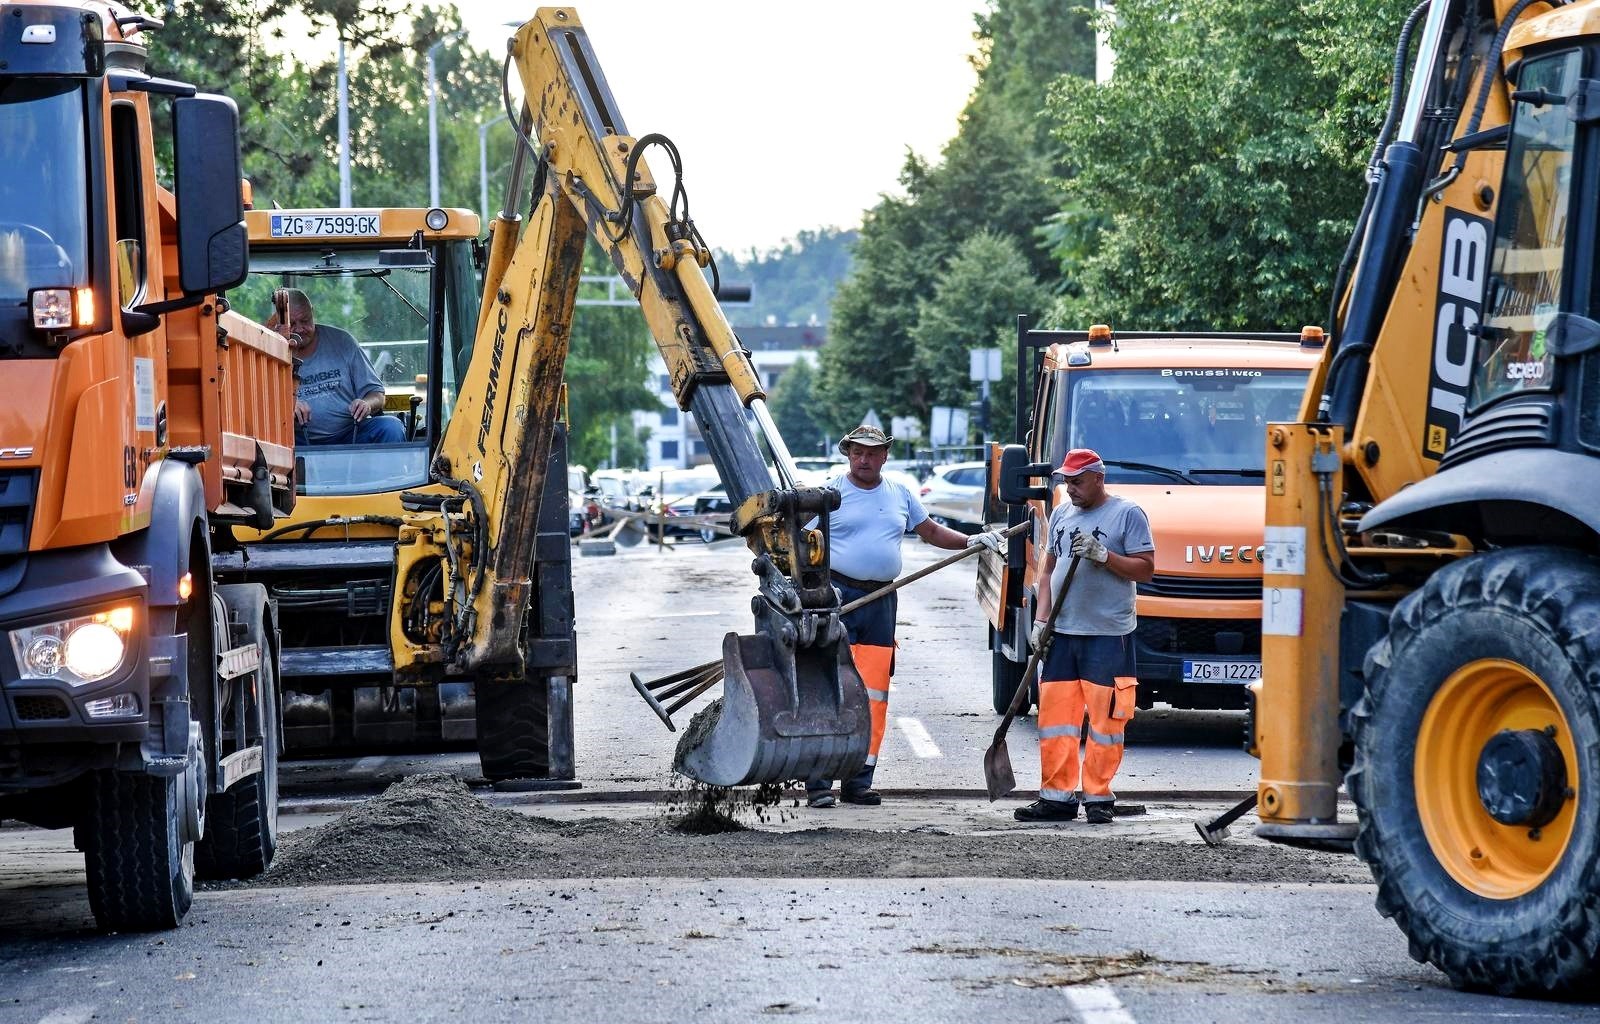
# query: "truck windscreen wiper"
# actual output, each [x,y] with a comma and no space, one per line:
[1151,467]
[1256,473]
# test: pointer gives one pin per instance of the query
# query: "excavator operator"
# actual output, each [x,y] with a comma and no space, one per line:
[338,396]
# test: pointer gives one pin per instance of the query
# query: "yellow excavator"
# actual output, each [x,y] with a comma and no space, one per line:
[432,565]
[1431,612]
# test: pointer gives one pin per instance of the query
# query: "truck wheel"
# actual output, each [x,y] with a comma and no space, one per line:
[242,823]
[1477,771]
[1005,675]
[513,730]
[140,868]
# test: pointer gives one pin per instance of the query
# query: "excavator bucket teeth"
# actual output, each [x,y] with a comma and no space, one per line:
[763,729]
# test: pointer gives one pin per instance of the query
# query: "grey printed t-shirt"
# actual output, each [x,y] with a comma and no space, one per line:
[1100,602]
[336,375]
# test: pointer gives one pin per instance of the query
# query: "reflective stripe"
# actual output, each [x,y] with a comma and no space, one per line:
[1102,798]
[1105,738]
[872,760]
[882,695]
[1052,731]
[1062,795]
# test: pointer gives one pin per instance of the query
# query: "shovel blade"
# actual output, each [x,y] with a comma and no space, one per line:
[765,730]
[998,777]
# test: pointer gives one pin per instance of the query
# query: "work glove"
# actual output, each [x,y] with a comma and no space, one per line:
[989,539]
[1040,629]
[1088,546]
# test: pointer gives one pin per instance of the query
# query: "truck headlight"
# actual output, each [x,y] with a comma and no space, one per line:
[76,651]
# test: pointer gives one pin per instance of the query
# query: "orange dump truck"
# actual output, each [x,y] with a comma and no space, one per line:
[140,421]
[1180,420]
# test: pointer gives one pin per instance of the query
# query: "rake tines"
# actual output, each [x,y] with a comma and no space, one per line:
[686,685]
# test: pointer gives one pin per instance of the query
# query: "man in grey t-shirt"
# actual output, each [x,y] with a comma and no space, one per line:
[1090,666]
[338,396]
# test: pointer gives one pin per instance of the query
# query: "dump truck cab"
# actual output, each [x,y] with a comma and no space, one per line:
[1178,419]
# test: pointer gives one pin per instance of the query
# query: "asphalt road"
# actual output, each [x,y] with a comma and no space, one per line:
[746,949]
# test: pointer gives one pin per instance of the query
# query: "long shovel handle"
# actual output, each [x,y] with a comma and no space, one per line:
[1037,656]
[927,570]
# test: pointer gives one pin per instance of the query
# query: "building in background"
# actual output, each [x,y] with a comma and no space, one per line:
[675,441]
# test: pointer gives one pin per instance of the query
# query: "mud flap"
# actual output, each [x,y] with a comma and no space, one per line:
[779,719]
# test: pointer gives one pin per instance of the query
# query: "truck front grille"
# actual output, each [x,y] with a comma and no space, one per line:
[1200,636]
[1222,589]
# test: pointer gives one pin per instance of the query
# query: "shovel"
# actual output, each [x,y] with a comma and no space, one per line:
[997,774]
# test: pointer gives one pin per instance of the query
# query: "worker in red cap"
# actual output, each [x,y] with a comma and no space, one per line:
[864,535]
[1090,665]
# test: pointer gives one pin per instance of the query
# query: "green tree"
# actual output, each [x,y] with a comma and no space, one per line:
[1215,187]
[608,363]
[793,406]
[977,300]
[997,175]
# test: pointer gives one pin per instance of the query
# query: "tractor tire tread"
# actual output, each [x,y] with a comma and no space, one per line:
[1555,592]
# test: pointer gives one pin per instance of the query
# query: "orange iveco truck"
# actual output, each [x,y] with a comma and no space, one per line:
[140,420]
[1179,420]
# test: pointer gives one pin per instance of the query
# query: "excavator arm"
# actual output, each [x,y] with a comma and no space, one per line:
[792,702]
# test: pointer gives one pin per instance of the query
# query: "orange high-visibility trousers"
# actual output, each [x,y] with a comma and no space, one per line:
[873,663]
[1062,703]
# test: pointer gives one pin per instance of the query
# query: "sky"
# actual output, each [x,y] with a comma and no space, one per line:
[789,116]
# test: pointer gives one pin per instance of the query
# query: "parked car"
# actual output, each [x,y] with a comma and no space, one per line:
[578,521]
[713,502]
[954,495]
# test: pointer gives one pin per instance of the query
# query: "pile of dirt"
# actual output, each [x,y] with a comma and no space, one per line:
[432,828]
[423,826]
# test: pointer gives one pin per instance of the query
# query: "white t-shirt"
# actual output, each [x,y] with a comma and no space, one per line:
[865,530]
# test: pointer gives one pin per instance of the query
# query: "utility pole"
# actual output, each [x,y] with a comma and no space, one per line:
[344,131]
[433,122]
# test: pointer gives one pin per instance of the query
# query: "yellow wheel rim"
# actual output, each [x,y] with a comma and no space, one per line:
[1491,859]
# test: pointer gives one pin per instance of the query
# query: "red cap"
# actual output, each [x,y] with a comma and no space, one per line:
[1081,460]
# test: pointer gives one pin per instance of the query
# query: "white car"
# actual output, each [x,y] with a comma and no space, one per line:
[954,495]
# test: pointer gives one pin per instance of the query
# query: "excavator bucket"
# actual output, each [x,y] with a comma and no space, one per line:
[781,716]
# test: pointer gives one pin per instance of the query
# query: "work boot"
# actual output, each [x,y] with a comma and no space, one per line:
[865,797]
[821,798]
[1047,810]
[1100,812]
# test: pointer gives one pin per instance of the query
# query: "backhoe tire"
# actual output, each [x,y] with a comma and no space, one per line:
[1508,640]
[513,730]
[242,823]
[140,871]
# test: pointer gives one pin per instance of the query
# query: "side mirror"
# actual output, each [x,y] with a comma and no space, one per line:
[213,243]
[1017,475]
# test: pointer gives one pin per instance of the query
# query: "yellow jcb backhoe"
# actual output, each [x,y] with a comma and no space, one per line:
[1431,614]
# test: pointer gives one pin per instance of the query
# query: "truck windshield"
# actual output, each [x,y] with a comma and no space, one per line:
[43,210]
[1525,269]
[1160,425]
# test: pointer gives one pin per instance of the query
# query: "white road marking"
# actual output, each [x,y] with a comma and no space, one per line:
[683,615]
[1097,1004]
[368,765]
[68,1015]
[921,743]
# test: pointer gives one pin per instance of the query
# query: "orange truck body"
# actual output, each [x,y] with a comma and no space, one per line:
[141,420]
[1191,408]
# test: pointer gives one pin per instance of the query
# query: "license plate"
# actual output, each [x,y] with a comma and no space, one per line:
[345,224]
[1221,671]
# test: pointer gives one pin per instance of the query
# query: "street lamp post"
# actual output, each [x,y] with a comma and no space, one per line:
[483,163]
[433,122]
